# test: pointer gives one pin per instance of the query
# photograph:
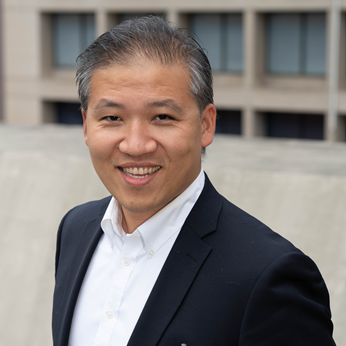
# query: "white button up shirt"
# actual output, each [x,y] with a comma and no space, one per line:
[124,269]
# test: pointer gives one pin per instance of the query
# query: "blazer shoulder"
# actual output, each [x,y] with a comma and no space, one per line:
[75,220]
[244,233]
[85,212]
[236,230]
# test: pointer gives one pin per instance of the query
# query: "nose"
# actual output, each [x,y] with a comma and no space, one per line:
[137,140]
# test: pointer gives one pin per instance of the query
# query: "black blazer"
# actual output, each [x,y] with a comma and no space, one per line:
[228,280]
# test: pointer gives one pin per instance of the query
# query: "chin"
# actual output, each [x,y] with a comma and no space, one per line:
[144,208]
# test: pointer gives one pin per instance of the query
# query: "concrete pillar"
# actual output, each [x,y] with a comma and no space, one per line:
[28,111]
[1,67]
[331,131]
[173,16]
[48,110]
[249,48]
[101,22]
[248,122]
[249,115]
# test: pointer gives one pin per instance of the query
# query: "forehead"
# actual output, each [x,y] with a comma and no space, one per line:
[145,80]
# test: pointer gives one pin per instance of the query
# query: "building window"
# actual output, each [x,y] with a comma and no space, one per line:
[68,113]
[296,43]
[228,122]
[72,33]
[302,126]
[222,37]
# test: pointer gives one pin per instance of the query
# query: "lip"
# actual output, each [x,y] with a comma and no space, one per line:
[137,182]
[138,164]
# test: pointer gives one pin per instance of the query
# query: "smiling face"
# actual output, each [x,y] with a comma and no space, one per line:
[145,135]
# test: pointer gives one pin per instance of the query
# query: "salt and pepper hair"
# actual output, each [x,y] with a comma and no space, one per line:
[147,38]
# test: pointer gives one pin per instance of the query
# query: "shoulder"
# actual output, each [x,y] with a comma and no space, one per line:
[81,214]
[251,249]
[244,237]
[278,283]
[74,222]
[234,234]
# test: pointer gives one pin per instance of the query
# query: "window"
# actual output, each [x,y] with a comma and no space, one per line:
[72,33]
[304,126]
[222,37]
[296,43]
[228,122]
[68,113]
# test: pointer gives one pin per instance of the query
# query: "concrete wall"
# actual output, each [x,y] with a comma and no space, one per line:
[297,188]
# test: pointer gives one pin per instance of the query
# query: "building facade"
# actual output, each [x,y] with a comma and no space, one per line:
[279,65]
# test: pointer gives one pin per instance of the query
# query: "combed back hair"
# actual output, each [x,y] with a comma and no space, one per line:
[147,38]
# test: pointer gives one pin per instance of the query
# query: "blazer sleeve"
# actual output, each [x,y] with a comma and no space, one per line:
[289,305]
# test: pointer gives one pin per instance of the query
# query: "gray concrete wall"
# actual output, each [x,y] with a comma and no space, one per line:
[297,188]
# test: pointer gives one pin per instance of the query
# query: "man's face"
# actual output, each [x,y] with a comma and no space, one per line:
[145,133]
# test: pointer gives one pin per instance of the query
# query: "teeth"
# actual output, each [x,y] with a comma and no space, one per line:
[140,172]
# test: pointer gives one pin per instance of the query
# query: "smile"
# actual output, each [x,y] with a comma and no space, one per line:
[139,172]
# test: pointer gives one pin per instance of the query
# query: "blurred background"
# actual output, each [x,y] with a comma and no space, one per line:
[280,89]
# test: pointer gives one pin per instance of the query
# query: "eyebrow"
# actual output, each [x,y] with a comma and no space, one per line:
[165,103]
[108,104]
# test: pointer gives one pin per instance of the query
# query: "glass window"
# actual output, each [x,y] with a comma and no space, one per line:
[228,121]
[315,44]
[72,33]
[303,126]
[234,43]
[69,113]
[284,43]
[207,27]
[296,43]
[222,37]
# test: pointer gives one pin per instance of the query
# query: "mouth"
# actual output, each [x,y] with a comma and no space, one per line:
[139,172]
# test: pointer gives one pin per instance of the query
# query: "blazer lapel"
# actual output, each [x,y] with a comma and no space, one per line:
[84,252]
[180,269]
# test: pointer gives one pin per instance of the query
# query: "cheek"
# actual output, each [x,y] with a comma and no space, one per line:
[101,146]
[182,140]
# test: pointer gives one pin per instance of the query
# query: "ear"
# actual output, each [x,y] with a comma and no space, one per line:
[208,121]
[85,132]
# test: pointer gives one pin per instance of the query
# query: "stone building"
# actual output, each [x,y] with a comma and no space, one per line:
[279,65]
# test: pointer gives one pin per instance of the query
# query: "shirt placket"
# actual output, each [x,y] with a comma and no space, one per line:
[125,263]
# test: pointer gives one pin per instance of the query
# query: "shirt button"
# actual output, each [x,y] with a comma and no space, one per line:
[127,261]
[151,253]
[109,314]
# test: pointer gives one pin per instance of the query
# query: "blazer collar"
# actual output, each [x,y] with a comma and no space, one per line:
[204,215]
[180,269]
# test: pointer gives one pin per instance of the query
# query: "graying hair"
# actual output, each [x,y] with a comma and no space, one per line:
[150,38]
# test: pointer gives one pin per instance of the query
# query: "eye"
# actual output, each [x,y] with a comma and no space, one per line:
[163,117]
[112,118]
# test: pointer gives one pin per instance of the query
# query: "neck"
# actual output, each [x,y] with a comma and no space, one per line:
[131,221]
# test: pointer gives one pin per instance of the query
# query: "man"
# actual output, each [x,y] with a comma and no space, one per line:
[167,260]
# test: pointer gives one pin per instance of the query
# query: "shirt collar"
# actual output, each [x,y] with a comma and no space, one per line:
[111,222]
[162,225]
